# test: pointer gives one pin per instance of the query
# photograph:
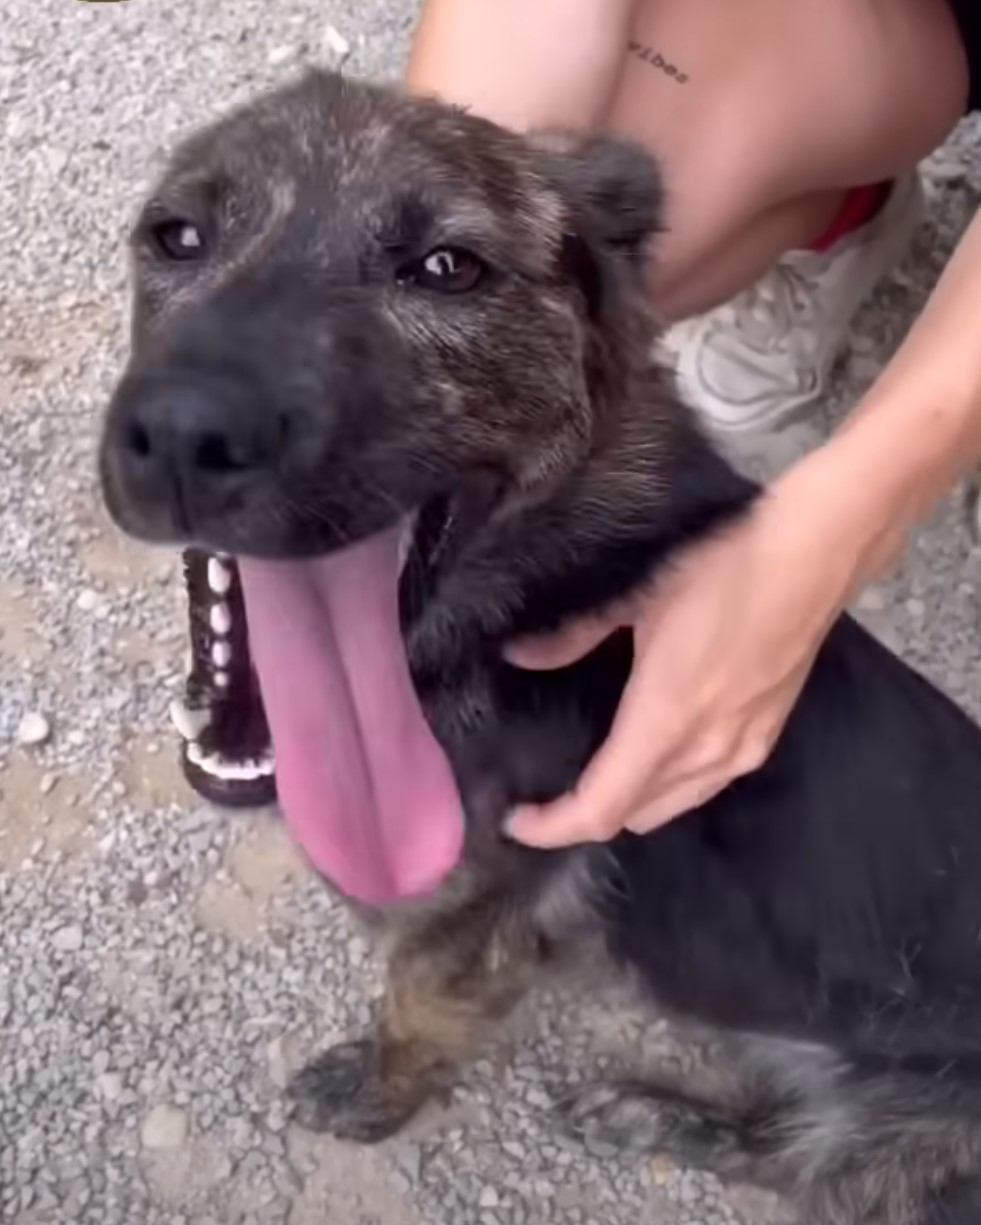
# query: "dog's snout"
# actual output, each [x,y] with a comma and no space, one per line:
[184,452]
[192,434]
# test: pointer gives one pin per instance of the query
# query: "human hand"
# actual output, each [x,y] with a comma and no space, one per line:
[723,647]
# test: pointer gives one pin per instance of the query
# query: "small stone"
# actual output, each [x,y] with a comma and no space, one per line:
[662,1170]
[872,599]
[68,939]
[278,1066]
[165,1127]
[409,1158]
[337,44]
[33,729]
[88,600]
[48,783]
[489,1198]
[110,1085]
[280,55]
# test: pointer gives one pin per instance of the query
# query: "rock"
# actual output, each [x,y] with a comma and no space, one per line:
[33,729]
[165,1127]
[336,43]
[110,1085]
[68,939]
[278,1063]
[280,55]
[872,599]
[409,1159]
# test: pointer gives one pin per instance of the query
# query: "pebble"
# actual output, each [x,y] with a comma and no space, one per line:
[68,939]
[280,55]
[408,1157]
[872,599]
[34,729]
[337,43]
[110,1085]
[165,1127]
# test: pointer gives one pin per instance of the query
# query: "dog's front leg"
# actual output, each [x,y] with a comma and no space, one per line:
[452,974]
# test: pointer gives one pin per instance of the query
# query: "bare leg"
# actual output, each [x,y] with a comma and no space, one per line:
[782,106]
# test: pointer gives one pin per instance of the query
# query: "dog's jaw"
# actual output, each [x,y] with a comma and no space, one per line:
[226,748]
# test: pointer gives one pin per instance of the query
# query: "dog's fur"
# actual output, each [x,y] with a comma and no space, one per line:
[823,914]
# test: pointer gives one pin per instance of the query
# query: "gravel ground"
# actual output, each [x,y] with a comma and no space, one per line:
[162,966]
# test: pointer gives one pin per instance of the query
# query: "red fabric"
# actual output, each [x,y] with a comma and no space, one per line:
[859,206]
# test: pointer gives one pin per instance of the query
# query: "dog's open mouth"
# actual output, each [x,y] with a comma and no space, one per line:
[315,647]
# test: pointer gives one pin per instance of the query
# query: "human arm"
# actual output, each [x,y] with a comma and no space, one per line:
[551,63]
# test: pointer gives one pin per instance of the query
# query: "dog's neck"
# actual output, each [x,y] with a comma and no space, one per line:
[650,484]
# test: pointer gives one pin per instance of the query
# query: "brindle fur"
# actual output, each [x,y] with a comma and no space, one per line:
[456,969]
[822,915]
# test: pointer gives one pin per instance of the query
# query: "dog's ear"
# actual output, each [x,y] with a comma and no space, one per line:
[612,190]
[615,186]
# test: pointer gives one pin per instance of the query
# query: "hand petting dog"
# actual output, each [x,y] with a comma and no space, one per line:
[723,647]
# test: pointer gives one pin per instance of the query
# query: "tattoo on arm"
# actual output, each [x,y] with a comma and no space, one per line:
[656,60]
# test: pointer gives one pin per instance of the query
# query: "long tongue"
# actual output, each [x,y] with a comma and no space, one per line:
[363,784]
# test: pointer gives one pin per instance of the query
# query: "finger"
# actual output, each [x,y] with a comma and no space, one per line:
[561,648]
[608,793]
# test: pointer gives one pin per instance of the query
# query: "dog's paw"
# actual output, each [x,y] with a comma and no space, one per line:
[640,1118]
[342,1093]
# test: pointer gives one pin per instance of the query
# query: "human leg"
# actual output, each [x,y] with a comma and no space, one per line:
[763,116]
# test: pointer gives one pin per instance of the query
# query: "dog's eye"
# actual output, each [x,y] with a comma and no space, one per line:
[178,240]
[445,270]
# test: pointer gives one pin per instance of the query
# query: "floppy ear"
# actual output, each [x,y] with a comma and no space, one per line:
[612,188]
[618,186]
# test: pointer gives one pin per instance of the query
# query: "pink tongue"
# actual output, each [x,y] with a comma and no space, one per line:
[363,784]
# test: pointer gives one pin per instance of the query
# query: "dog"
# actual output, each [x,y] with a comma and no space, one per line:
[392,372]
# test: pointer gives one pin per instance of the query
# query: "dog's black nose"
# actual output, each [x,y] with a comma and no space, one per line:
[193,435]
[184,453]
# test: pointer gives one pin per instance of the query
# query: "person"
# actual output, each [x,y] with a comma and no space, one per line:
[789,134]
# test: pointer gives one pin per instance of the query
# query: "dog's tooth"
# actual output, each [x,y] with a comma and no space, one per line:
[220,618]
[221,654]
[219,576]
[189,723]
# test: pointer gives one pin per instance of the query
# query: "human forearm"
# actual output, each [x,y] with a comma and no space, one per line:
[918,429]
[544,63]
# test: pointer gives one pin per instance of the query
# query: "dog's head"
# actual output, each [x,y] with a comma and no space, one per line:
[352,305]
[348,300]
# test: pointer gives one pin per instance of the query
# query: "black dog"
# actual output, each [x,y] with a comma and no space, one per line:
[357,312]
